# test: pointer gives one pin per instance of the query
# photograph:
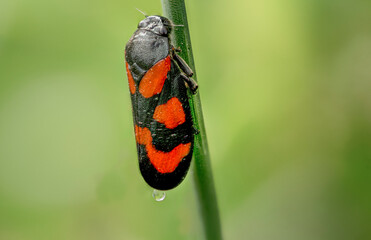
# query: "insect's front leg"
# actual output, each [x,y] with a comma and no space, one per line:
[187,71]
[190,82]
[181,63]
[177,50]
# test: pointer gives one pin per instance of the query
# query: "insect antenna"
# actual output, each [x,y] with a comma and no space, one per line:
[141,12]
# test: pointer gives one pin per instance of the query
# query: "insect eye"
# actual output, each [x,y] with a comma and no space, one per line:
[163,31]
[142,24]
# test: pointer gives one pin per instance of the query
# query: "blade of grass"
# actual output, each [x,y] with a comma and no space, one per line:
[204,184]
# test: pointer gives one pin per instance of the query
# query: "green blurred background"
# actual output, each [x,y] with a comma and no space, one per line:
[286,93]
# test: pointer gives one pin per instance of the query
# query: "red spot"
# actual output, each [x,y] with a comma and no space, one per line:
[143,135]
[164,162]
[153,81]
[131,81]
[171,113]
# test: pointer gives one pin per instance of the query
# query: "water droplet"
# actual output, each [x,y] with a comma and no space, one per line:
[158,195]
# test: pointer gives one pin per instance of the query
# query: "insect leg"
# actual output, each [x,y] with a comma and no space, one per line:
[190,82]
[177,50]
[181,63]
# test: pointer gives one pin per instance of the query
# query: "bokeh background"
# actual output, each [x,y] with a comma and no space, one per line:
[286,93]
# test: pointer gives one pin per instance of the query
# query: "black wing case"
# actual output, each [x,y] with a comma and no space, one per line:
[164,139]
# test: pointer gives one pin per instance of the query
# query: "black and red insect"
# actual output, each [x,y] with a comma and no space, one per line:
[158,82]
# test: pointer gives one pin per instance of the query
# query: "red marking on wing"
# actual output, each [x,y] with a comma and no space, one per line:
[131,81]
[153,81]
[171,113]
[143,135]
[164,162]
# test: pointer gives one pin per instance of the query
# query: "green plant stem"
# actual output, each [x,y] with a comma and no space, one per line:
[203,178]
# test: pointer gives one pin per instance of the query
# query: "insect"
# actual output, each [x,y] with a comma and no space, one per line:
[158,83]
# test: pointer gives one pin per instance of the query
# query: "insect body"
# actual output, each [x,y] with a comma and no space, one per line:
[158,80]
